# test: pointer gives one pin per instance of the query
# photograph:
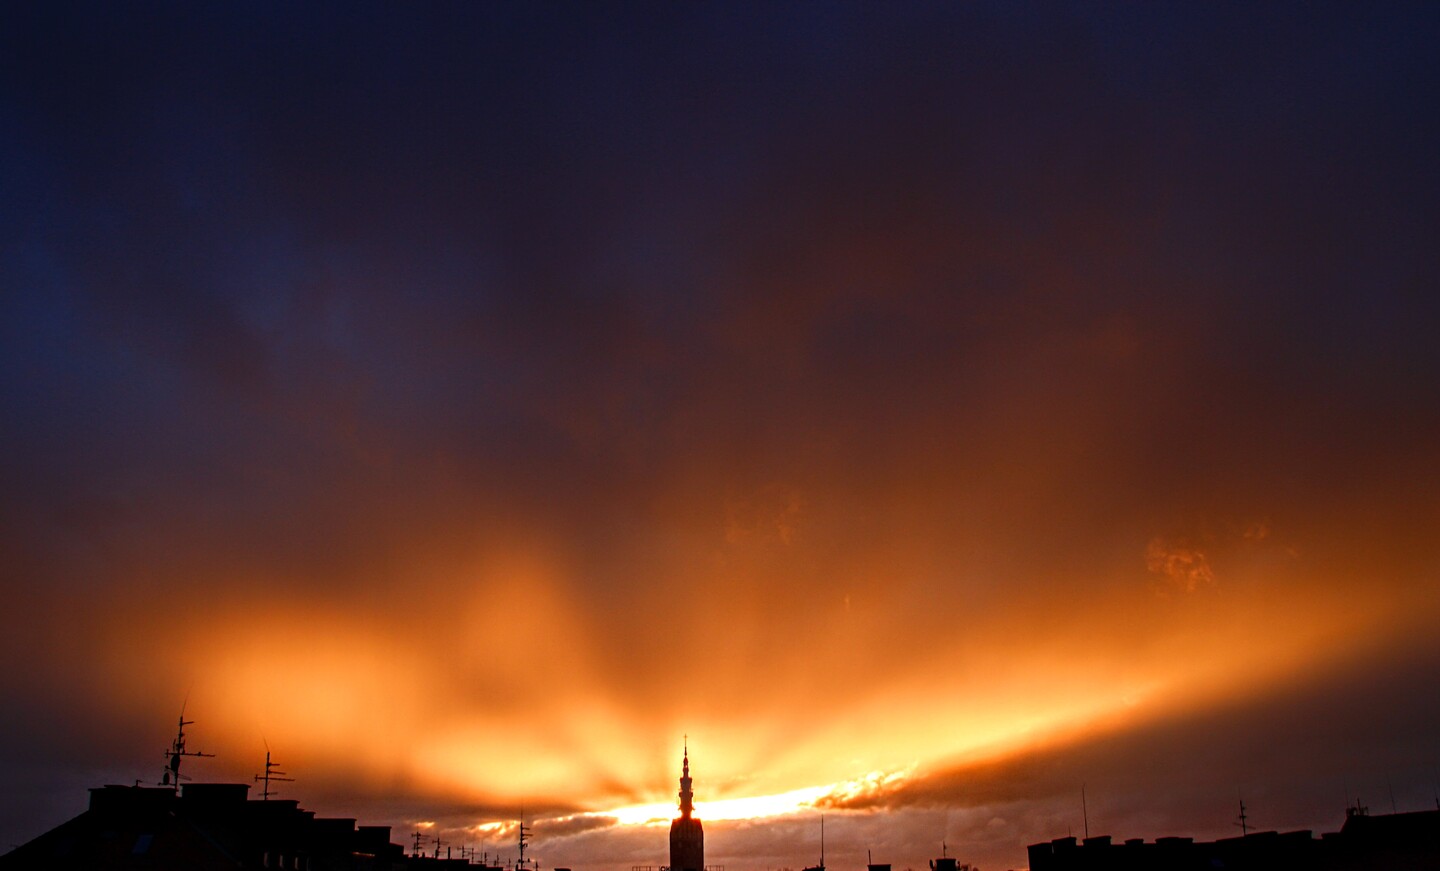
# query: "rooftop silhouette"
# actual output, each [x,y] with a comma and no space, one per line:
[1392,842]
[202,826]
[175,825]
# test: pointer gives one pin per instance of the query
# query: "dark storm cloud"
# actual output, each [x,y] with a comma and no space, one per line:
[799,321]
[575,825]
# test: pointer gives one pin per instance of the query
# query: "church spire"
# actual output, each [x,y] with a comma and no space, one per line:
[687,836]
[687,795]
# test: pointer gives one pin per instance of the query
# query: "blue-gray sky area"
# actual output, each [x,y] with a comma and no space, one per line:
[929,408]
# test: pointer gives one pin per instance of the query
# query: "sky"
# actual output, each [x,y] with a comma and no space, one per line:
[933,411]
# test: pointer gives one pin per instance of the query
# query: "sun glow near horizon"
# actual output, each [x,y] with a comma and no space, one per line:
[752,807]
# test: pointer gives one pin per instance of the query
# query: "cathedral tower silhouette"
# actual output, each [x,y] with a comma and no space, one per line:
[687,837]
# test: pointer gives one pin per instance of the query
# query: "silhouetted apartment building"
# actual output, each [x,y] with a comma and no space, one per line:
[206,826]
[1393,842]
[687,836]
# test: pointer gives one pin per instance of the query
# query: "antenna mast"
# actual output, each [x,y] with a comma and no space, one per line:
[1085,810]
[272,772]
[524,840]
[1244,823]
[176,752]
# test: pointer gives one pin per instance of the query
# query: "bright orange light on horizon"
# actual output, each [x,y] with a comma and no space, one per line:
[378,703]
[753,807]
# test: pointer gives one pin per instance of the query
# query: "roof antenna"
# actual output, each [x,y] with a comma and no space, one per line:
[524,836]
[272,772]
[1085,811]
[1357,810]
[177,751]
[1244,823]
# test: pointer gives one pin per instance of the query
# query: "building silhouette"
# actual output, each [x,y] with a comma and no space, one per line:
[215,826]
[204,826]
[687,836]
[949,863]
[1389,842]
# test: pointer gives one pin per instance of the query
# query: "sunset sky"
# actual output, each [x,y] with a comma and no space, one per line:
[930,409]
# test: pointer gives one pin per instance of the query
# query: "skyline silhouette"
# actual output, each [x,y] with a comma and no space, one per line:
[976,423]
[258,837]
[180,823]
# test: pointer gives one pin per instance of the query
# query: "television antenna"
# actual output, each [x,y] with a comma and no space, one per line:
[272,772]
[177,751]
[525,832]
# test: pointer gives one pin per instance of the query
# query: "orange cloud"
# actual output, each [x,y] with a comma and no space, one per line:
[1185,569]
